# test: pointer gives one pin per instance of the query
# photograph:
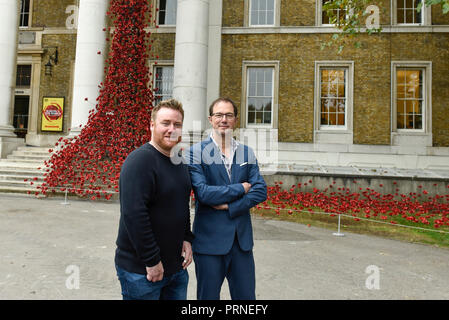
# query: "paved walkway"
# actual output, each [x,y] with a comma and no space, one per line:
[44,245]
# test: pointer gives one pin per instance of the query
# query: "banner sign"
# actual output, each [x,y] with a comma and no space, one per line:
[52,114]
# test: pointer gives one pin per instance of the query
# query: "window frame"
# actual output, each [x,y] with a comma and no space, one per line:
[157,16]
[30,15]
[247,15]
[426,66]
[334,134]
[26,90]
[346,84]
[19,65]
[426,16]
[319,15]
[153,66]
[422,99]
[275,92]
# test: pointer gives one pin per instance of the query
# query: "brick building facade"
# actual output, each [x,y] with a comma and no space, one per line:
[384,104]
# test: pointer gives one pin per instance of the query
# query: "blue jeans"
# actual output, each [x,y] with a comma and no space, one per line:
[137,287]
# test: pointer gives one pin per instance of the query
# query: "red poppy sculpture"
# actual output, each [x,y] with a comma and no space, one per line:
[419,208]
[89,164]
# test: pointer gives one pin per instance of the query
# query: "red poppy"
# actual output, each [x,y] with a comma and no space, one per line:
[91,161]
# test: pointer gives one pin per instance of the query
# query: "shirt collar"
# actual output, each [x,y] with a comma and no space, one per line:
[234,144]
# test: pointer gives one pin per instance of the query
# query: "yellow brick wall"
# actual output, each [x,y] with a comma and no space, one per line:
[233,13]
[292,12]
[298,13]
[297,54]
[438,18]
[163,45]
[59,84]
[430,47]
[51,13]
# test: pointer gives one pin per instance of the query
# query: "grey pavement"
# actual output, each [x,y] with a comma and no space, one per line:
[46,247]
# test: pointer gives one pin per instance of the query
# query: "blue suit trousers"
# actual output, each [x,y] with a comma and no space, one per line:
[237,266]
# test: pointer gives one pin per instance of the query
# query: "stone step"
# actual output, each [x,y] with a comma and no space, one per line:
[23,161]
[28,163]
[21,171]
[27,191]
[14,183]
[31,191]
[27,157]
[34,149]
[20,177]
[31,153]
[18,166]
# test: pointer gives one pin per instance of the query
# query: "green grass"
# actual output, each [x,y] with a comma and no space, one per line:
[347,224]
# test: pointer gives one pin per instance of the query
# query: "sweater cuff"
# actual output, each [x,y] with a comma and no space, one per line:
[153,261]
[189,237]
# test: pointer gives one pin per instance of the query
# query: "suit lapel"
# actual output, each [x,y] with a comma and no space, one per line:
[235,168]
[223,173]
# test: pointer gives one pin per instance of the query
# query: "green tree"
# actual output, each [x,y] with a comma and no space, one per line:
[355,17]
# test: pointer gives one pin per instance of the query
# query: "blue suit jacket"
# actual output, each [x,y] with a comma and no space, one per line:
[215,230]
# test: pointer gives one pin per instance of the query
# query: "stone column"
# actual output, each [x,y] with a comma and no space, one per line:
[214,52]
[89,65]
[191,59]
[9,27]
[9,30]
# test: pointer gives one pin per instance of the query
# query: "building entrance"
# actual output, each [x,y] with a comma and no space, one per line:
[22,100]
[21,112]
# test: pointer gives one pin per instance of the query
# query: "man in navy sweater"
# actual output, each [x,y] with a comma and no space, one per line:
[154,236]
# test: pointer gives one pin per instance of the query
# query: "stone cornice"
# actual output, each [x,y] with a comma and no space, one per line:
[327,29]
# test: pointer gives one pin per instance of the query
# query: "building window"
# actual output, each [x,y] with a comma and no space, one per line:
[24,20]
[339,14]
[333,102]
[260,95]
[163,83]
[262,12]
[410,103]
[409,98]
[260,92]
[333,97]
[21,114]
[167,12]
[23,76]
[406,12]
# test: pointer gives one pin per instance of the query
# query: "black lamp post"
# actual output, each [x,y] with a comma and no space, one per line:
[52,58]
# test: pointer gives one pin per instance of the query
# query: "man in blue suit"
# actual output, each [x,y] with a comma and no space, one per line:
[227,184]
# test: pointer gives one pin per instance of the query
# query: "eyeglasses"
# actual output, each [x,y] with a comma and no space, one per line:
[229,116]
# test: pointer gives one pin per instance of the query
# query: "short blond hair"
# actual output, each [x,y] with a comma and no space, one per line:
[170,104]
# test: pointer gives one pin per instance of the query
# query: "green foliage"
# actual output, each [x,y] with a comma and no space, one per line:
[351,18]
[444,4]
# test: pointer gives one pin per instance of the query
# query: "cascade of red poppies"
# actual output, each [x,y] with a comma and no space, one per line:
[416,207]
[89,164]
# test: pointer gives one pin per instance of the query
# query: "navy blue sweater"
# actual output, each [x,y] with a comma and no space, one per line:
[154,212]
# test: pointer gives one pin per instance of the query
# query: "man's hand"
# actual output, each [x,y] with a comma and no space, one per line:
[246,186]
[155,273]
[223,206]
[187,254]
